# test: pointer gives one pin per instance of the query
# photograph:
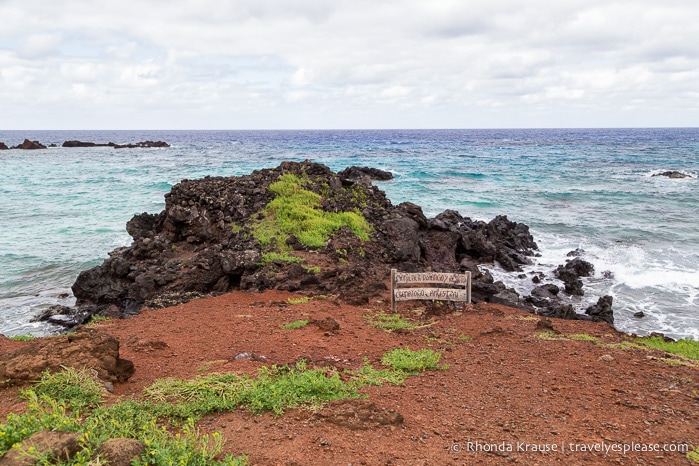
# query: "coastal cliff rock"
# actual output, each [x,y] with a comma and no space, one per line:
[218,234]
[3,146]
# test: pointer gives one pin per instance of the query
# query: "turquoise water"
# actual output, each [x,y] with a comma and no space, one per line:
[63,210]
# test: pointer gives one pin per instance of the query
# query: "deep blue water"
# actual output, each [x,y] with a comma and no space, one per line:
[62,210]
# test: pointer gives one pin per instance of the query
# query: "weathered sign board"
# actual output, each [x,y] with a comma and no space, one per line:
[437,294]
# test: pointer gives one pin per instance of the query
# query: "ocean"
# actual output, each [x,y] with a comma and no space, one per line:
[62,210]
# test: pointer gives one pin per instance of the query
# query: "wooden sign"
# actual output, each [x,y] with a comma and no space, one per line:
[437,294]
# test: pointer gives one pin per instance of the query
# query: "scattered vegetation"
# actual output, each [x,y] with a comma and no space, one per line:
[296,211]
[311,269]
[464,337]
[301,300]
[295,325]
[76,389]
[693,455]
[412,362]
[269,257]
[165,418]
[23,338]
[96,320]
[583,337]
[390,322]
[72,401]
[685,348]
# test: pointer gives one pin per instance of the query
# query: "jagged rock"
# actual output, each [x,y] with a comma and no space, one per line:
[602,311]
[674,174]
[570,274]
[30,145]
[3,146]
[87,348]
[548,291]
[359,172]
[56,445]
[119,451]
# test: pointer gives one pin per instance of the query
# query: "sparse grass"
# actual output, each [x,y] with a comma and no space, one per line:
[269,257]
[301,300]
[275,389]
[72,401]
[22,338]
[550,336]
[312,269]
[75,388]
[685,348]
[296,211]
[464,337]
[390,322]
[583,337]
[411,362]
[96,320]
[693,454]
[295,325]
[165,418]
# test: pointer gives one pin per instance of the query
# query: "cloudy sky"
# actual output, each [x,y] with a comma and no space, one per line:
[245,64]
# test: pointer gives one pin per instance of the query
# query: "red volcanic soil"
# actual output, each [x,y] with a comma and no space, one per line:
[506,395]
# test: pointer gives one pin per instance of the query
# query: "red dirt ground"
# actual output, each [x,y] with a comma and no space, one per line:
[504,386]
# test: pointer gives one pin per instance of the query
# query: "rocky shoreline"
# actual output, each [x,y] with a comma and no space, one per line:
[206,242]
[34,145]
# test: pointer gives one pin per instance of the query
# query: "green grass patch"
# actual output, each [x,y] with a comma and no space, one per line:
[295,325]
[685,348]
[693,455]
[72,401]
[464,337]
[411,362]
[269,257]
[22,338]
[275,389]
[301,300]
[76,389]
[297,211]
[164,419]
[583,337]
[390,322]
[311,270]
[550,336]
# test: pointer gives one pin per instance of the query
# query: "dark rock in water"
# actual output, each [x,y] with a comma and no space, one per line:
[602,311]
[666,339]
[142,144]
[674,174]
[570,274]
[64,316]
[86,348]
[30,145]
[86,144]
[548,291]
[3,146]
[577,253]
[639,314]
[561,311]
[359,172]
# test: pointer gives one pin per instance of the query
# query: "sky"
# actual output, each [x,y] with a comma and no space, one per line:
[333,64]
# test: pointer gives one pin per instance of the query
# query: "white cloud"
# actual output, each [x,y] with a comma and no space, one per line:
[214,63]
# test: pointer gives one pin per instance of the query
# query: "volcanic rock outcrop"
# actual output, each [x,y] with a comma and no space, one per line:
[211,239]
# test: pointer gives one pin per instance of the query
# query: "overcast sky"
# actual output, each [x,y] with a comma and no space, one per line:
[245,64]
